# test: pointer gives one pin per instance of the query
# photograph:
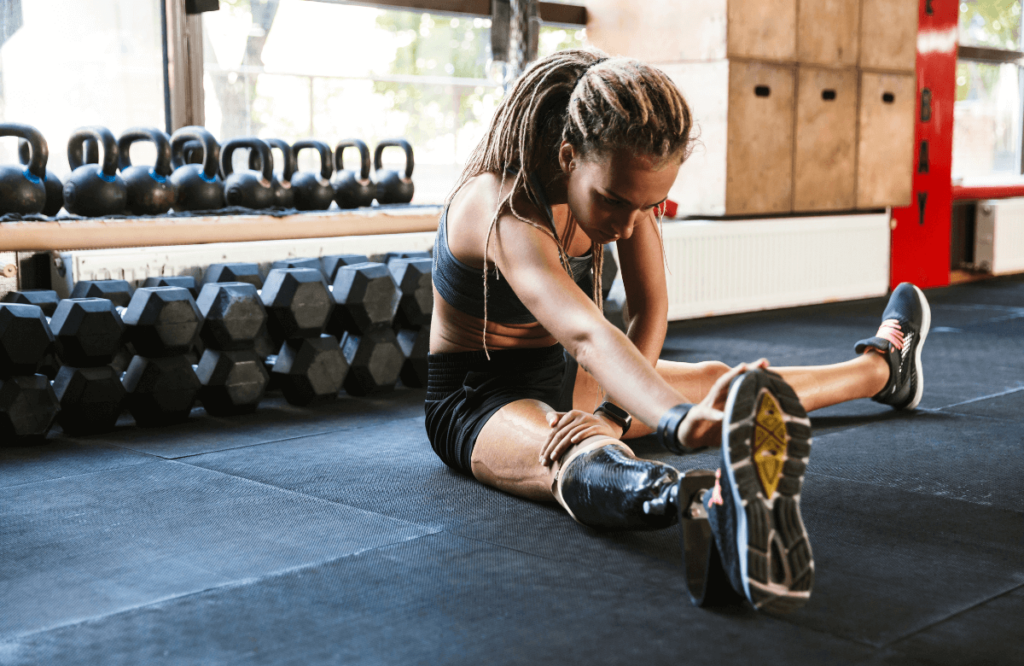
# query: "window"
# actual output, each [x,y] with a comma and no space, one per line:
[65,64]
[987,121]
[333,71]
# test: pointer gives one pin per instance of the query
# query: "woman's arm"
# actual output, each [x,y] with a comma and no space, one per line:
[642,265]
[528,259]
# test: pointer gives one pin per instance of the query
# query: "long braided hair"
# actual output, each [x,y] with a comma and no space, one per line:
[596,103]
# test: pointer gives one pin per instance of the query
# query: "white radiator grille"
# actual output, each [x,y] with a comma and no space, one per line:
[999,236]
[725,267]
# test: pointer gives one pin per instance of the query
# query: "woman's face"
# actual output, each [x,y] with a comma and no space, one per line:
[609,194]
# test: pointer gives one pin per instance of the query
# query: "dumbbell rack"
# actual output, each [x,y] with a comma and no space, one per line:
[137,248]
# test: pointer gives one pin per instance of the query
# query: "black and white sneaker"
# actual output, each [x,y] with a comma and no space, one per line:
[754,509]
[900,338]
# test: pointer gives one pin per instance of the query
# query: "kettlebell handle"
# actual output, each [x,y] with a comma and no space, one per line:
[288,157]
[106,141]
[259,146]
[364,156]
[211,149]
[36,144]
[399,143]
[159,140]
[326,157]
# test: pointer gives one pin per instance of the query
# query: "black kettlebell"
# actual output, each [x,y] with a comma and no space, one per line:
[283,195]
[199,186]
[54,186]
[392,188]
[249,188]
[150,191]
[353,189]
[22,189]
[313,189]
[94,190]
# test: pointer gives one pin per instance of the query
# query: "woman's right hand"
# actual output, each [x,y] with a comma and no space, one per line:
[702,426]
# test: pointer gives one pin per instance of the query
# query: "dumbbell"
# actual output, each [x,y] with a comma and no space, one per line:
[28,405]
[118,292]
[231,372]
[330,264]
[250,273]
[309,365]
[88,333]
[367,300]
[183,281]
[161,324]
[413,277]
[47,300]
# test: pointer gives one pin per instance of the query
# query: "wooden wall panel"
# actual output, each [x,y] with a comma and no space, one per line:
[826,138]
[659,30]
[888,34]
[759,161]
[885,139]
[762,29]
[828,33]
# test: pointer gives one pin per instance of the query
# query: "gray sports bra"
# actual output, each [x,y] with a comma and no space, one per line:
[461,287]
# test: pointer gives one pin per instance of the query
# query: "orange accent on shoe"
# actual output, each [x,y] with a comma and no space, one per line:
[716,492]
[890,330]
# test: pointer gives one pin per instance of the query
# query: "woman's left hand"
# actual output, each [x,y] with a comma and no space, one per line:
[571,428]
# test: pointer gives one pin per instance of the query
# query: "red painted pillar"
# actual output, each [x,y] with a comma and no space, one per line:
[921,237]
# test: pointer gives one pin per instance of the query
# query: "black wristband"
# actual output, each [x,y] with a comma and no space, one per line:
[668,427]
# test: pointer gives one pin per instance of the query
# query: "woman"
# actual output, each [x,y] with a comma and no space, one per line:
[532,391]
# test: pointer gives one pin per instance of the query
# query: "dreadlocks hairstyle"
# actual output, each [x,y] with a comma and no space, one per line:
[596,103]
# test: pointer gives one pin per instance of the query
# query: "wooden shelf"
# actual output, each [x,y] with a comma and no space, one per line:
[156,231]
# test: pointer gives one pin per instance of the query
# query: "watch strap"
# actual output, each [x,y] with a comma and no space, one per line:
[615,414]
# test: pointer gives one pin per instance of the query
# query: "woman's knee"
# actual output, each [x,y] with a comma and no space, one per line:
[712,370]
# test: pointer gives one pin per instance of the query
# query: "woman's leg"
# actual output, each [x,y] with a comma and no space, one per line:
[816,386]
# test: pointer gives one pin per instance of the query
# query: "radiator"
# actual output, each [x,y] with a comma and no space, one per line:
[714,267]
[721,267]
[999,236]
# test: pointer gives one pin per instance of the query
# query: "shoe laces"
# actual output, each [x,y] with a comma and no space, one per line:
[891,331]
[716,492]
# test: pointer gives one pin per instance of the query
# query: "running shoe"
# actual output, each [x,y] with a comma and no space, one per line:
[754,507]
[900,338]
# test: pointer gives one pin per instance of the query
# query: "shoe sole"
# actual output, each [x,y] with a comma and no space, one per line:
[765,477]
[926,323]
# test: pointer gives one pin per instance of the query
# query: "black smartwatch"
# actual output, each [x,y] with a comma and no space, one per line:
[615,414]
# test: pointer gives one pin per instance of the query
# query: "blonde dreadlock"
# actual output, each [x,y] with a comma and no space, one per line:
[596,103]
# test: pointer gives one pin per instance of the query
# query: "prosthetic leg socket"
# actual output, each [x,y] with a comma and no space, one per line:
[606,488]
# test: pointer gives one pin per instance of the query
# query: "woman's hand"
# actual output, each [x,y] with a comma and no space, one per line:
[571,428]
[703,425]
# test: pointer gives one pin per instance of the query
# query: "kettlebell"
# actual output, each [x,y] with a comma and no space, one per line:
[392,188]
[54,186]
[283,193]
[353,189]
[199,186]
[313,189]
[150,191]
[22,189]
[94,190]
[249,188]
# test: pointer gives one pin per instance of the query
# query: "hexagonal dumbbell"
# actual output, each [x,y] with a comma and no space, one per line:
[374,361]
[298,303]
[330,264]
[46,299]
[415,345]
[310,369]
[301,262]
[161,323]
[366,298]
[231,372]
[413,277]
[28,405]
[183,281]
[119,292]
[234,272]
[88,332]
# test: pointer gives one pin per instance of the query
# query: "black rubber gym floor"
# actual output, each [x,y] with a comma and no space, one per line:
[334,535]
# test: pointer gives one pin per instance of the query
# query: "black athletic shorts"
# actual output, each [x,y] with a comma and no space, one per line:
[464,390]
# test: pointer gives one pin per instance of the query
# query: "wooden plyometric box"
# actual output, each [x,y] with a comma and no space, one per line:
[827,32]
[885,139]
[743,161]
[663,31]
[826,139]
[888,34]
